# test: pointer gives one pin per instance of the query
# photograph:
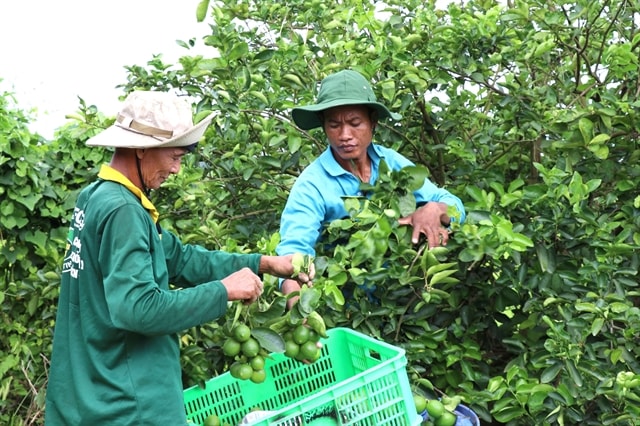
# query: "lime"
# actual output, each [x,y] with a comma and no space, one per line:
[251,347]
[446,419]
[257,362]
[242,332]
[245,371]
[435,408]
[258,376]
[309,350]
[421,402]
[317,356]
[313,335]
[231,347]
[291,348]
[235,369]
[211,420]
[301,334]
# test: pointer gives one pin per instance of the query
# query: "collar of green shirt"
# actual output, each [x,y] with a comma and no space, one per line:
[109,173]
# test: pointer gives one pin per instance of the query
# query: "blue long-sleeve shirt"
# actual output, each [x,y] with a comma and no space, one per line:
[316,197]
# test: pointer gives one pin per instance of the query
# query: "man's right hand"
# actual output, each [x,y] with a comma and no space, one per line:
[243,285]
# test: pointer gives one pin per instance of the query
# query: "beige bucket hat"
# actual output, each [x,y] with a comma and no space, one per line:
[153,120]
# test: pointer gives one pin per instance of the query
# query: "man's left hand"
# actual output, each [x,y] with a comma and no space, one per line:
[429,220]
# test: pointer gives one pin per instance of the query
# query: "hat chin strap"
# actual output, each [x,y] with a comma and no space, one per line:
[146,190]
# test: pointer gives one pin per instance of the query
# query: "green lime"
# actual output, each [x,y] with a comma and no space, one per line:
[300,357]
[435,408]
[257,362]
[242,332]
[231,347]
[301,334]
[211,420]
[245,371]
[251,347]
[258,376]
[446,419]
[313,335]
[291,348]
[309,350]
[235,369]
[420,401]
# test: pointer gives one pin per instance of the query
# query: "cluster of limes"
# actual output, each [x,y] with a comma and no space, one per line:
[438,413]
[245,350]
[302,343]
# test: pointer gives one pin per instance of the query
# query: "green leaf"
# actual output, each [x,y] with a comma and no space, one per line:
[550,373]
[38,238]
[441,277]
[599,139]
[509,413]
[270,340]
[417,175]
[309,298]
[574,373]
[239,50]
[264,55]
[201,10]
[407,204]
[619,307]
[547,262]
[597,325]
[495,383]
[586,129]
[29,201]
[441,267]
[276,310]
[600,151]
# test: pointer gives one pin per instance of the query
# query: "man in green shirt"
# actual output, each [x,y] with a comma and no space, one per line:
[116,358]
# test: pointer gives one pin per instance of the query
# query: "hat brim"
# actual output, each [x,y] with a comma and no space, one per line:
[307,117]
[119,137]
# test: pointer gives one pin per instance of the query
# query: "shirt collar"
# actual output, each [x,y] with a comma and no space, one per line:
[109,173]
[332,167]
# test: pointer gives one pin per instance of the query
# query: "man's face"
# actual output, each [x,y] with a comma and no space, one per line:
[157,164]
[349,129]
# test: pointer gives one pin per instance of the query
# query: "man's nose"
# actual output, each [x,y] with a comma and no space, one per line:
[175,168]
[345,132]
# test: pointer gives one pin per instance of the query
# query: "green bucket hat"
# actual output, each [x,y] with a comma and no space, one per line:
[345,87]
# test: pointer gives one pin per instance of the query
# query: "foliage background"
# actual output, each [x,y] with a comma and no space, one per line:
[528,111]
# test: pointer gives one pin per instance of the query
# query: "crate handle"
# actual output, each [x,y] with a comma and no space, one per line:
[374,354]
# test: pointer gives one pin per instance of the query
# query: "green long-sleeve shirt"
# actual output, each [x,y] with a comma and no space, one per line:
[115,357]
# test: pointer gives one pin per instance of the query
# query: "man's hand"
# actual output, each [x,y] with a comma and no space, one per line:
[243,285]
[429,220]
[282,266]
[289,286]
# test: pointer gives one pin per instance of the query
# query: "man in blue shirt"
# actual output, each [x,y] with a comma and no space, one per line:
[347,110]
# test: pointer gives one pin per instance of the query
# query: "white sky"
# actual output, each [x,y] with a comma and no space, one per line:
[52,51]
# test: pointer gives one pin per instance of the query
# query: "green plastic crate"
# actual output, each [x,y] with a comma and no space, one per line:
[357,380]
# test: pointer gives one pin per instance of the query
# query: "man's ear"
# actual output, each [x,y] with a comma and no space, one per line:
[140,153]
[373,117]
